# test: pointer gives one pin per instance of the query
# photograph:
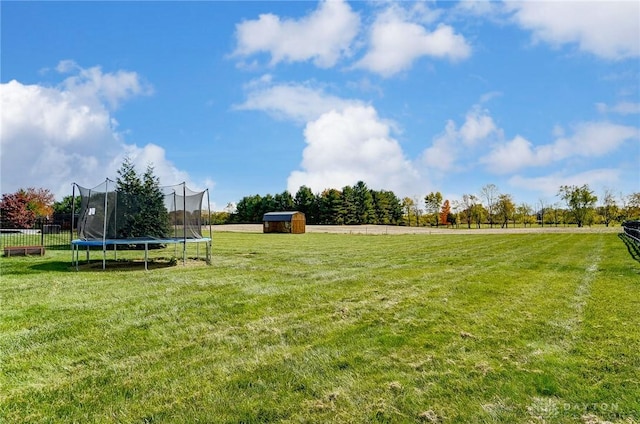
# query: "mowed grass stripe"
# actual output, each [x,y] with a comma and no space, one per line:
[329,328]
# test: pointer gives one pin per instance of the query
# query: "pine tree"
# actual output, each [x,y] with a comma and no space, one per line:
[140,204]
[154,216]
[365,213]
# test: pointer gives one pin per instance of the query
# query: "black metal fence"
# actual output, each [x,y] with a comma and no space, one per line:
[632,229]
[55,233]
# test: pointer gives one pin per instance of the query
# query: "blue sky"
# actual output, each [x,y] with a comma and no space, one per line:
[259,97]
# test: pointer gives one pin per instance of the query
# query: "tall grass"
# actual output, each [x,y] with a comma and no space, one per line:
[330,328]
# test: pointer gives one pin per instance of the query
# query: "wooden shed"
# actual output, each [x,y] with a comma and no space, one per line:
[284,222]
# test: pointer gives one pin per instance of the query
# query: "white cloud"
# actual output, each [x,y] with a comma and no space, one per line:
[344,147]
[608,29]
[54,136]
[478,125]
[297,102]
[590,139]
[443,153]
[621,108]
[324,36]
[396,41]
[548,185]
[488,9]
[91,84]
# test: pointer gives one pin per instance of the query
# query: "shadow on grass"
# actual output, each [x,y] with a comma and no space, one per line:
[21,268]
[632,246]
[55,266]
[124,265]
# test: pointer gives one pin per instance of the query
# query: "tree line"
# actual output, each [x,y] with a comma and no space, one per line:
[352,205]
[357,204]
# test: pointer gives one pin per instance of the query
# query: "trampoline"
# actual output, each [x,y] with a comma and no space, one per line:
[164,216]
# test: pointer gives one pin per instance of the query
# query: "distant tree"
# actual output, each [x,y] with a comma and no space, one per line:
[305,202]
[445,213]
[408,206]
[417,212]
[479,214]
[365,212]
[15,212]
[543,206]
[330,207]
[22,208]
[432,203]
[65,205]
[284,201]
[505,209]
[490,194]
[524,212]
[457,207]
[558,214]
[349,206]
[580,201]
[467,204]
[633,206]
[248,210]
[381,207]
[268,204]
[609,209]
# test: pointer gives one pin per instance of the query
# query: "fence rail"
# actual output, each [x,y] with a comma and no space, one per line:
[632,230]
[52,234]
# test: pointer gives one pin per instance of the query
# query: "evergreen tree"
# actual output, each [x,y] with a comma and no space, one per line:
[129,187]
[330,207]
[365,213]
[154,217]
[284,201]
[268,204]
[305,202]
[381,207]
[140,204]
[349,208]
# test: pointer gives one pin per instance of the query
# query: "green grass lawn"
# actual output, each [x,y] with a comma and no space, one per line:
[324,328]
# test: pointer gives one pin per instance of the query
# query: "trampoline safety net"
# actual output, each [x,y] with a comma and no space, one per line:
[160,213]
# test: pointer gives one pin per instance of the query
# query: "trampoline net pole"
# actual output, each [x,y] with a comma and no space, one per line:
[184,223]
[73,208]
[104,231]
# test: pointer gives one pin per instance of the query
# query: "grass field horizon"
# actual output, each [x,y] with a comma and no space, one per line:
[331,328]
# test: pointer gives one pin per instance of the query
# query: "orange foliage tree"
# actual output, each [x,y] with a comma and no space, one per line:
[445,212]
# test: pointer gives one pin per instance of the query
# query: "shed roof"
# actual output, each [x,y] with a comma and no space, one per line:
[279,216]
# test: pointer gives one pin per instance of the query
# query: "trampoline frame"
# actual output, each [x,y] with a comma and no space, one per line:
[78,243]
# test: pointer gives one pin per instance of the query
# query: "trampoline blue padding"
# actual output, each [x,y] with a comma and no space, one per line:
[138,240]
[146,241]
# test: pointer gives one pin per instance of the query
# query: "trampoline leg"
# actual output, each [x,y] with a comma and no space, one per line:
[146,250]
